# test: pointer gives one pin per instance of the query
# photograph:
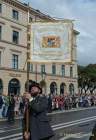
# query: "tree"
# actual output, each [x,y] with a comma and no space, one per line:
[87,78]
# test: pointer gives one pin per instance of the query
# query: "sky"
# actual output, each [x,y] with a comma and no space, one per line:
[84,14]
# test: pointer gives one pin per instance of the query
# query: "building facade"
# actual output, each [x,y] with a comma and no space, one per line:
[54,78]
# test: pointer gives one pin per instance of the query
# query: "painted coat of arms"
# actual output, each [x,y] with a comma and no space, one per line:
[51,42]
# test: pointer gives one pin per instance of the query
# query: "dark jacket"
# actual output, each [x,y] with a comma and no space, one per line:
[39,126]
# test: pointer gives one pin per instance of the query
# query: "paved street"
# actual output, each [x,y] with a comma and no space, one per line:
[72,125]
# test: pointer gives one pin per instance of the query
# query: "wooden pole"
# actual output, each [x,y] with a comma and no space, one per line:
[28,50]
[27,133]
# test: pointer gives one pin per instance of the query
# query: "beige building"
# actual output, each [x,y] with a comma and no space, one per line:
[56,78]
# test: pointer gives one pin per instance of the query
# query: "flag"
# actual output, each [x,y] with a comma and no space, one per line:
[51,42]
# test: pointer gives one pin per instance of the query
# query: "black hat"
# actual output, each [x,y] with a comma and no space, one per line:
[35,84]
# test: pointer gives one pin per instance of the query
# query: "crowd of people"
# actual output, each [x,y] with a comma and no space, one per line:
[37,104]
[66,102]
[11,106]
[14,105]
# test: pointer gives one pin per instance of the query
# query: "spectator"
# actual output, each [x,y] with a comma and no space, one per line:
[1,105]
[5,106]
[21,105]
[50,103]
[17,106]
[61,102]
[11,109]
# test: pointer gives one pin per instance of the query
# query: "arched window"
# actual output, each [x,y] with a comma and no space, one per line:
[53,88]
[14,87]
[62,88]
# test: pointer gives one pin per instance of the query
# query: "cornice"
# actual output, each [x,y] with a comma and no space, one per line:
[17,28]
[18,23]
[4,41]
[17,4]
[17,51]
[76,32]
[33,73]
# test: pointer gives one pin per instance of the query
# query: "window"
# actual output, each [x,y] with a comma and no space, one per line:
[71,71]
[15,14]
[15,61]
[63,70]
[31,67]
[15,37]
[0,58]
[42,68]
[0,32]
[54,69]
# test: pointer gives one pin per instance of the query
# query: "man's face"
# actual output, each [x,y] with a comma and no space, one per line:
[35,90]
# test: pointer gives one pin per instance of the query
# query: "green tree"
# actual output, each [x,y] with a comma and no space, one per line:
[87,77]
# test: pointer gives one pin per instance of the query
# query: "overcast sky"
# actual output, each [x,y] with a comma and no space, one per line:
[84,14]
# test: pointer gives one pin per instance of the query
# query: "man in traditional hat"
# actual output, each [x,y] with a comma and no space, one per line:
[39,126]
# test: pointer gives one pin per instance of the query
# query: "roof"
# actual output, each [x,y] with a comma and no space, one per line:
[25,7]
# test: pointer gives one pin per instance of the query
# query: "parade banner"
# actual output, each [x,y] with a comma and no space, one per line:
[51,42]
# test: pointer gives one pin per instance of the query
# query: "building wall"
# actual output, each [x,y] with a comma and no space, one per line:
[7,48]
[7,13]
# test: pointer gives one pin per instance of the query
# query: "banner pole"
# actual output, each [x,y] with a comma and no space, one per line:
[27,133]
[28,49]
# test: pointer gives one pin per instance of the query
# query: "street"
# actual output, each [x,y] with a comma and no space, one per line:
[69,125]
